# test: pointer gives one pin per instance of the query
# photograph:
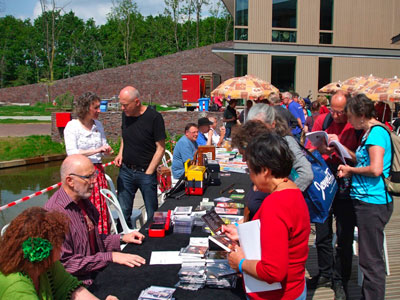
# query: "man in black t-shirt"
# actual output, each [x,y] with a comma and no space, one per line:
[230,117]
[142,148]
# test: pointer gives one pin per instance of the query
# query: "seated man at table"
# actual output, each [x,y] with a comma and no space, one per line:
[85,251]
[184,150]
[205,132]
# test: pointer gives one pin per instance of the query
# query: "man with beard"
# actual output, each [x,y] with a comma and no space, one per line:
[85,251]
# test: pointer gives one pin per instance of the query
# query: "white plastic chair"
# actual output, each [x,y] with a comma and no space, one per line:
[111,185]
[167,158]
[3,230]
[112,199]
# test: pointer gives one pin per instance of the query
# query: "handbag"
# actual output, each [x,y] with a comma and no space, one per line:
[321,192]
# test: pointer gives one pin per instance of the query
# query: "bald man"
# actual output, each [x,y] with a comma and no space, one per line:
[142,148]
[84,251]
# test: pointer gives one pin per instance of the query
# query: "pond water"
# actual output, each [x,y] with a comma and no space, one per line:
[19,182]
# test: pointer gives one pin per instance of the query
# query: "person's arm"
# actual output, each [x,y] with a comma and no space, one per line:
[222,132]
[301,165]
[71,142]
[155,161]
[209,137]
[118,158]
[108,149]
[375,168]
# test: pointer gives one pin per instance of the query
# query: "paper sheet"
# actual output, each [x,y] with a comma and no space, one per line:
[165,258]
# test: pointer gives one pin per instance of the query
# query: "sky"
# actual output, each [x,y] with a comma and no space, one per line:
[85,9]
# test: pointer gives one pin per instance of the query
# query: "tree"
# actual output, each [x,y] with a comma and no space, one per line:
[214,12]
[172,10]
[124,12]
[188,10]
[198,5]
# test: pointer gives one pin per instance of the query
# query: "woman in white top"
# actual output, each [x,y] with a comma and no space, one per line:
[85,135]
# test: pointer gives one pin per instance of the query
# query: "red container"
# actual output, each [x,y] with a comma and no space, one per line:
[62,119]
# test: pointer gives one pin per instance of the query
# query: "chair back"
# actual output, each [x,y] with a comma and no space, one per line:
[167,158]
[3,230]
[111,185]
[111,198]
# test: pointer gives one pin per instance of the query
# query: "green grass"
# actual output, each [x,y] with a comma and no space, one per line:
[14,121]
[26,147]
[39,109]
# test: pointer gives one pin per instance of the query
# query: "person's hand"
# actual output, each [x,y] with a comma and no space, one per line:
[231,232]
[134,237]
[324,149]
[209,134]
[111,297]
[222,131]
[235,256]
[108,150]
[333,137]
[130,260]
[118,160]
[344,171]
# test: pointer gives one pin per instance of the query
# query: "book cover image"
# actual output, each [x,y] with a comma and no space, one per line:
[230,205]
[214,222]
[224,242]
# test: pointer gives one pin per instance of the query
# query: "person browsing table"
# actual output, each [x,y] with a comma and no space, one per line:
[284,220]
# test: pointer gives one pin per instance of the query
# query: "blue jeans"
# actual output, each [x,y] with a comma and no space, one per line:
[129,181]
[303,295]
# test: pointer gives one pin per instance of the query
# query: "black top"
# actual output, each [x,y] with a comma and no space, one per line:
[140,135]
[229,113]
[286,115]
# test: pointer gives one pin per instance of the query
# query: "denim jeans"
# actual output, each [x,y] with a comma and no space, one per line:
[129,181]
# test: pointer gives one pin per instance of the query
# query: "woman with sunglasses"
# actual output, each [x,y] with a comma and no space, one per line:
[85,136]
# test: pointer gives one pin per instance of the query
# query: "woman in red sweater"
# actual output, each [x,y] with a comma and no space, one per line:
[284,218]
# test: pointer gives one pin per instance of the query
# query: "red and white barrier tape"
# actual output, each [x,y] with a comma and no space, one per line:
[57,185]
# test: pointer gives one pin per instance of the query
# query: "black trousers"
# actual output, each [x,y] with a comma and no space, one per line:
[371,221]
[339,267]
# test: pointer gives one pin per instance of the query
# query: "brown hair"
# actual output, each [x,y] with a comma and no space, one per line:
[242,135]
[31,223]
[323,100]
[82,105]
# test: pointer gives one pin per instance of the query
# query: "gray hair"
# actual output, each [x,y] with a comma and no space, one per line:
[262,112]
[287,95]
[135,94]
[274,98]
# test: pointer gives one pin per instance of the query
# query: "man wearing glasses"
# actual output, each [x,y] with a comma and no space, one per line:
[85,252]
[336,270]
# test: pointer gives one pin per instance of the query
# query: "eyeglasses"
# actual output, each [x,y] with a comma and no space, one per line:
[337,112]
[90,177]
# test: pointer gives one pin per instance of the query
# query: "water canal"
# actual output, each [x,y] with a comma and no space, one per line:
[19,182]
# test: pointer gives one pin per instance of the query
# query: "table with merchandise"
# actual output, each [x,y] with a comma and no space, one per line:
[128,283]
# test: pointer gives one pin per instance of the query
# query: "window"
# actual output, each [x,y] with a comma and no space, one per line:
[284,13]
[326,22]
[283,70]
[284,36]
[242,12]
[241,34]
[326,15]
[240,65]
[324,71]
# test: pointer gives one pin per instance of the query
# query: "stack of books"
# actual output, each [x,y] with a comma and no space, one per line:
[220,275]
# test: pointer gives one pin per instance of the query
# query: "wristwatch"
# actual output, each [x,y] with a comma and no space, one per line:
[121,238]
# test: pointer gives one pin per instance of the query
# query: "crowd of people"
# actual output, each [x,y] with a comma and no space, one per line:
[69,242]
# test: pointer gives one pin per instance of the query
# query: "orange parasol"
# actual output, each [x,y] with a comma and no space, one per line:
[246,87]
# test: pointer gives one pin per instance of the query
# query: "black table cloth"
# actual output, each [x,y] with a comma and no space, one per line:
[127,283]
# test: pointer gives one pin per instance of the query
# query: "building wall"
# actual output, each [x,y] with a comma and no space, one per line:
[307,75]
[343,68]
[356,23]
[259,65]
[158,79]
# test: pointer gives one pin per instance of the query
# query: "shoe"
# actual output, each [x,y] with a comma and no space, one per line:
[318,281]
[340,293]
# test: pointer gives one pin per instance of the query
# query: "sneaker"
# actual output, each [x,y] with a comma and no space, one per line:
[318,281]
[340,294]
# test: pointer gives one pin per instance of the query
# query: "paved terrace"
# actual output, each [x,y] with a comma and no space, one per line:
[392,282]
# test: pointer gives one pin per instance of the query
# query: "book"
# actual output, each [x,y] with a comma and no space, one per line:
[223,241]
[249,237]
[237,196]
[319,137]
[183,210]
[197,251]
[222,199]
[228,211]
[230,205]
[213,221]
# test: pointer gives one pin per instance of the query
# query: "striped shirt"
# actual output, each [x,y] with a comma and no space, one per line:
[76,256]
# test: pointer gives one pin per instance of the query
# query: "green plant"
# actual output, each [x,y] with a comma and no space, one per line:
[65,101]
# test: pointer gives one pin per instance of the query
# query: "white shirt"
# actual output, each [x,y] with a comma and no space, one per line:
[215,138]
[77,138]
